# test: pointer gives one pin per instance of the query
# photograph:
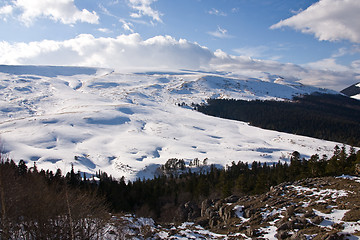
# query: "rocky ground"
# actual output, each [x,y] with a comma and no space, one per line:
[318,208]
[322,208]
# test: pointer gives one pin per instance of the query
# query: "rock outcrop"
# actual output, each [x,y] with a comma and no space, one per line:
[319,208]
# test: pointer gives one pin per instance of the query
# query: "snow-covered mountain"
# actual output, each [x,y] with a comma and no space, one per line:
[128,123]
[352,91]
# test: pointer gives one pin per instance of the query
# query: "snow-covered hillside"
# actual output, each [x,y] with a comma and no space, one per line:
[352,91]
[128,123]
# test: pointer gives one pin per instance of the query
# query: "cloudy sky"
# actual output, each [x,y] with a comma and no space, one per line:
[314,42]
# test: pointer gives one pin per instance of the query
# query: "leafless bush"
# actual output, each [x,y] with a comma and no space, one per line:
[32,208]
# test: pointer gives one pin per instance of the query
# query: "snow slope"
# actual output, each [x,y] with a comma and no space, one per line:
[352,91]
[357,96]
[128,123]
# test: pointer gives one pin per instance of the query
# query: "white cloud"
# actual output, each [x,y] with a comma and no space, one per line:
[254,52]
[356,66]
[220,33]
[330,64]
[330,20]
[143,8]
[340,52]
[217,12]
[124,51]
[261,52]
[130,52]
[113,2]
[63,11]
[104,30]
[355,49]
[262,69]
[127,26]
[106,11]
[296,11]
[5,11]
[235,10]
[327,64]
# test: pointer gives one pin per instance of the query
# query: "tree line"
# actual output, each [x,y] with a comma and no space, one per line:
[323,116]
[165,193]
[42,205]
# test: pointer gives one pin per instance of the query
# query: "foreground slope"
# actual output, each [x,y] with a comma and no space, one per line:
[128,124]
[314,208]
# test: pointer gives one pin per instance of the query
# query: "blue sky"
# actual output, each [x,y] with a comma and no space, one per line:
[314,42]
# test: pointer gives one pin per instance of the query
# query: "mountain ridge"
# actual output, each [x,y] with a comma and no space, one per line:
[352,91]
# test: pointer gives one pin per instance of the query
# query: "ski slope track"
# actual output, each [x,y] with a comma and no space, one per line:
[127,124]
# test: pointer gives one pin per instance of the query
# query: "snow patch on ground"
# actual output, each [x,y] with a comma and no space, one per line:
[329,219]
[322,193]
[356,96]
[354,178]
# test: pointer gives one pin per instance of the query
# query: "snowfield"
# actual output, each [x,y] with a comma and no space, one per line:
[356,96]
[127,124]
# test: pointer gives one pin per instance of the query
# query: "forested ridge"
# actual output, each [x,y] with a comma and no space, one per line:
[165,193]
[29,196]
[324,116]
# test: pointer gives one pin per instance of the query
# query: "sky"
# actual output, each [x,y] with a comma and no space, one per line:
[309,41]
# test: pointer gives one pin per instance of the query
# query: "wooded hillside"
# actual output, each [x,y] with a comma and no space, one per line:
[323,116]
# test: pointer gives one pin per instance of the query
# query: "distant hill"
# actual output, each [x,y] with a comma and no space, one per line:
[128,124]
[352,91]
[323,116]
